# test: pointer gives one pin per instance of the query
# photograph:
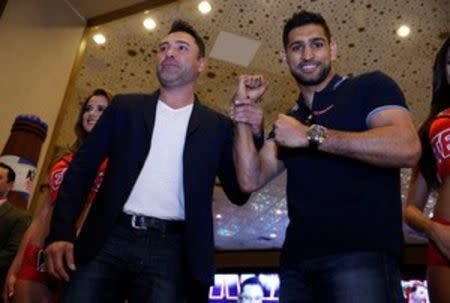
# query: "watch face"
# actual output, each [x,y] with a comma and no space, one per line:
[316,135]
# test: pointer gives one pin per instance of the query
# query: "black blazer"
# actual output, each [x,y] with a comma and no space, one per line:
[123,135]
[13,224]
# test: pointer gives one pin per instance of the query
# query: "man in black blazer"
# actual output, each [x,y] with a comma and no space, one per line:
[149,234]
[13,222]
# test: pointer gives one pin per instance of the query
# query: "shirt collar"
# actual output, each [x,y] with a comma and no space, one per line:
[335,82]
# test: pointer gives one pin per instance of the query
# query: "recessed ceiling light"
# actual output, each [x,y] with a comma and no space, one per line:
[149,23]
[99,39]
[204,7]
[403,31]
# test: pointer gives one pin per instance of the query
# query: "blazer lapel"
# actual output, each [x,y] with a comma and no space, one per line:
[197,116]
[149,111]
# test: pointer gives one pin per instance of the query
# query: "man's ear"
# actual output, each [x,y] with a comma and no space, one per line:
[333,48]
[203,63]
[283,57]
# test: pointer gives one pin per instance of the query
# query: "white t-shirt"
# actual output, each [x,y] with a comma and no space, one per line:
[158,191]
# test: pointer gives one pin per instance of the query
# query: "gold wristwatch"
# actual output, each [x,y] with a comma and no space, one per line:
[316,136]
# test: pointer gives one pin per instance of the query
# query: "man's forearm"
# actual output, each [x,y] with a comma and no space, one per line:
[382,146]
[246,158]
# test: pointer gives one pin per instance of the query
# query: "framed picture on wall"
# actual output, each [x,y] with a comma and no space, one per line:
[2,6]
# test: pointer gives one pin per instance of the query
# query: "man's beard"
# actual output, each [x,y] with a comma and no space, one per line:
[311,82]
[170,81]
[166,81]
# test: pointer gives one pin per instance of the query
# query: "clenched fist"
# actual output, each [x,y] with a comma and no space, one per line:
[250,89]
[244,108]
[290,132]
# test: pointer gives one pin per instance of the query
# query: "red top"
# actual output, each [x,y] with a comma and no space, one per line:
[440,142]
[57,175]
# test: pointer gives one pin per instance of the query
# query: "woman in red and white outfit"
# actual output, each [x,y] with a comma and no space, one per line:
[27,280]
[433,173]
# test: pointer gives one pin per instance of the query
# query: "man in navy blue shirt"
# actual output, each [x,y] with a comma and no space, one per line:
[342,146]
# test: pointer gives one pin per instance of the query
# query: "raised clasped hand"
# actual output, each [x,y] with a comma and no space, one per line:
[244,108]
[250,89]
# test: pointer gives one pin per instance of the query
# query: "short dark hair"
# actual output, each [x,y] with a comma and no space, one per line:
[11,174]
[304,18]
[251,281]
[183,26]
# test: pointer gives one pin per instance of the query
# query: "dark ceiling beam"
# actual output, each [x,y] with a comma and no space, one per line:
[127,11]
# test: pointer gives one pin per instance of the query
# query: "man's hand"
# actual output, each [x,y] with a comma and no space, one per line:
[251,114]
[59,257]
[290,132]
[250,89]
[244,108]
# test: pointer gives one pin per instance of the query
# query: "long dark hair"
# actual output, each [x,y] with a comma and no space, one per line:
[440,101]
[80,132]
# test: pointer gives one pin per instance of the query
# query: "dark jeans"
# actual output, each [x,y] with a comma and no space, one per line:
[356,277]
[136,265]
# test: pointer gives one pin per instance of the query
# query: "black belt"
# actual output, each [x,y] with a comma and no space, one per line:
[144,223]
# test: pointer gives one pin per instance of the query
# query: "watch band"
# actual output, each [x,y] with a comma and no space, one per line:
[313,144]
